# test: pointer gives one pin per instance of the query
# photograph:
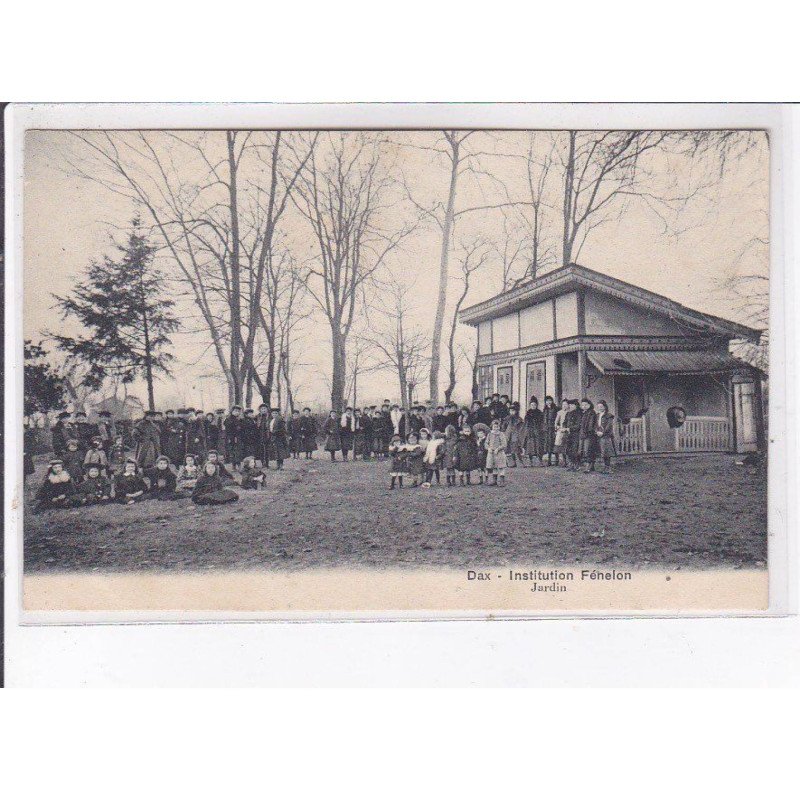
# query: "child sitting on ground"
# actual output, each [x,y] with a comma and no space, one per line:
[397,451]
[188,473]
[225,476]
[58,488]
[94,489]
[209,490]
[130,487]
[162,480]
[251,476]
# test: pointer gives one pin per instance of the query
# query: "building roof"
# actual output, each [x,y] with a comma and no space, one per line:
[574,276]
[687,362]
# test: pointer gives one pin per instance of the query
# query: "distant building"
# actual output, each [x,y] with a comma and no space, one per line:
[574,333]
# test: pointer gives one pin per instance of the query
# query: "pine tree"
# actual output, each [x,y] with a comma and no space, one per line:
[128,317]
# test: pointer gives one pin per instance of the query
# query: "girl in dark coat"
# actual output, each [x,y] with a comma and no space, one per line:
[549,413]
[295,434]
[173,439]
[251,476]
[466,459]
[397,451]
[73,460]
[147,436]
[251,435]
[449,454]
[62,432]
[333,439]
[95,489]
[58,488]
[516,431]
[116,456]
[209,490]
[234,436]
[130,487]
[604,428]
[573,426]
[308,433]
[162,480]
[588,435]
[534,425]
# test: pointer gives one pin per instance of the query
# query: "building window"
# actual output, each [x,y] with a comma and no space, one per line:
[485,382]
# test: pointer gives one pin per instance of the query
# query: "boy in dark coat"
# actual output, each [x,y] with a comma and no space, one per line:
[588,435]
[534,425]
[415,454]
[234,436]
[196,436]
[278,440]
[397,451]
[295,434]
[62,432]
[549,413]
[308,433]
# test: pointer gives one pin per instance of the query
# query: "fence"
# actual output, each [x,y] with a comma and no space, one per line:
[704,434]
[632,437]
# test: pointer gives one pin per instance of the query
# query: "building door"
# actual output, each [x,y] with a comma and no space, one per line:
[505,380]
[536,373]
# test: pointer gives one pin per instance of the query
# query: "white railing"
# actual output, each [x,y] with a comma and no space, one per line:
[632,437]
[703,433]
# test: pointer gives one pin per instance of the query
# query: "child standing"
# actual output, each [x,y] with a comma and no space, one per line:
[604,428]
[96,456]
[588,435]
[516,432]
[415,453]
[397,451]
[333,438]
[481,453]
[561,440]
[466,459]
[295,432]
[496,443]
[449,454]
[308,433]
[116,457]
[535,441]
[573,425]
[73,459]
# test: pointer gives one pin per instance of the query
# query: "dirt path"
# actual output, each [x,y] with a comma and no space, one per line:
[694,512]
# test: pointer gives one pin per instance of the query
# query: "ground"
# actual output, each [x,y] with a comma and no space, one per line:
[692,512]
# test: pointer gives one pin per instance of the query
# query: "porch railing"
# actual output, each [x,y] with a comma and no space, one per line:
[703,433]
[632,437]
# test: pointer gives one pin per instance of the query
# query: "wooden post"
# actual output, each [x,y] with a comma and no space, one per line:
[761,439]
[582,376]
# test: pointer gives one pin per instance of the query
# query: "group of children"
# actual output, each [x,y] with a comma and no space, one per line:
[492,436]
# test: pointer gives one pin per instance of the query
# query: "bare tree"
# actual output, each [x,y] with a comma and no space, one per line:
[344,194]
[215,198]
[399,346]
[472,256]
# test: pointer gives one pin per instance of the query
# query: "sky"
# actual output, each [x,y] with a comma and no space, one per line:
[688,257]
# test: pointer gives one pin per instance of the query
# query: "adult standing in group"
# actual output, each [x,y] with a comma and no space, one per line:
[278,442]
[173,437]
[347,433]
[251,435]
[62,432]
[106,431]
[234,440]
[196,443]
[211,430]
[147,436]
[263,420]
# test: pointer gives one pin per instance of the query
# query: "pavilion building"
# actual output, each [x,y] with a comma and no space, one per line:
[665,370]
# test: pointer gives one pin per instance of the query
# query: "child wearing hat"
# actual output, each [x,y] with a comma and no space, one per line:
[130,487]
[162,480]
[397,451]
[94,489]
[57,489]
[96,455]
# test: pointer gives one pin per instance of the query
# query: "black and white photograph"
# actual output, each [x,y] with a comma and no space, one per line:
[361,370]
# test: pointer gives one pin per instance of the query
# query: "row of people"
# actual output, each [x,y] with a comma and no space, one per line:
[206,483]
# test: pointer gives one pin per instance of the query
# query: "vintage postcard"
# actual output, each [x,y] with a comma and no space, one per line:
[302,370]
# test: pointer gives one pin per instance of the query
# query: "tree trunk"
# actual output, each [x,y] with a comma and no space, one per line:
[569,176]
[444,274]
[339,371]
[236,291]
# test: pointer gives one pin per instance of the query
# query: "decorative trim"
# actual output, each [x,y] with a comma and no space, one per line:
[575,343]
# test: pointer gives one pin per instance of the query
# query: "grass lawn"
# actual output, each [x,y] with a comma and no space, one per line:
[690,512]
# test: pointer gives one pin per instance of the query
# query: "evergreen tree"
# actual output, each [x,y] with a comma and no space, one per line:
[44,387]
[128,317]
